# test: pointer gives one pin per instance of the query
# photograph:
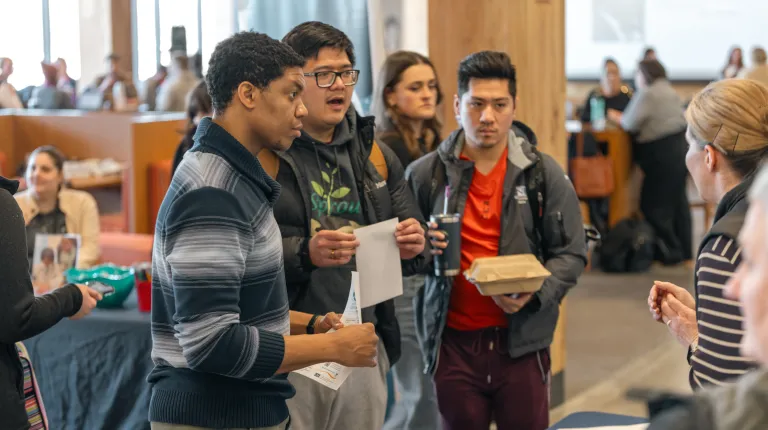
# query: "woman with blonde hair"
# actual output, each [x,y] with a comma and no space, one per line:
[728,141]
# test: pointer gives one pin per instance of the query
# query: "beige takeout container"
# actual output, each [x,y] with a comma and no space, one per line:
[507,274]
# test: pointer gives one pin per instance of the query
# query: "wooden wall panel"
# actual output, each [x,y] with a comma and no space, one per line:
[77,135]
[122,33]
[153,140]
[7,150]
[532,33]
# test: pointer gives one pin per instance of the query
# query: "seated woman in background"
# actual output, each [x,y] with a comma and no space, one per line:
[612,90]
[405,105]
[727,143]
[655,118]
[48,95]
[51,208]
[199,106]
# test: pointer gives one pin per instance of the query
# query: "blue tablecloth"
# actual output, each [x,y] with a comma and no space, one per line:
[596,419]
[92,372]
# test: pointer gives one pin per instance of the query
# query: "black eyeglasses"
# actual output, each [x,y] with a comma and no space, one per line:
[326,79]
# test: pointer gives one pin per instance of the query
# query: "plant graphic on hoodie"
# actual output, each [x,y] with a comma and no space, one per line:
[330,193]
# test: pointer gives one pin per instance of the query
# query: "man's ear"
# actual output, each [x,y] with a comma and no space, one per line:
[247,93]
[456,105]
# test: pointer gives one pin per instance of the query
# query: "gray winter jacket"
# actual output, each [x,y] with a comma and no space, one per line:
[737,406]
[531,329]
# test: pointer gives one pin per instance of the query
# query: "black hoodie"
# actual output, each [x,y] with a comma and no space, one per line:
[22,315]
[334,186]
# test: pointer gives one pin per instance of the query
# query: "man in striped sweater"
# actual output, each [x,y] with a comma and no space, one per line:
[221,326]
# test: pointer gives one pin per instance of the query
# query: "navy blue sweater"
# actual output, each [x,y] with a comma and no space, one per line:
[219,301]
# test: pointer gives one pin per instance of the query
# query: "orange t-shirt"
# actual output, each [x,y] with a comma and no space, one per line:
[480,233]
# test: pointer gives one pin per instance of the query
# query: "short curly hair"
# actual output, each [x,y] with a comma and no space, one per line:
[246,57]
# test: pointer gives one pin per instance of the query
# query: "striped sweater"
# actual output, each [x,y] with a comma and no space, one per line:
[219,301]
[717,358]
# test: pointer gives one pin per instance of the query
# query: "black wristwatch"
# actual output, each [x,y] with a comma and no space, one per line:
[311,325]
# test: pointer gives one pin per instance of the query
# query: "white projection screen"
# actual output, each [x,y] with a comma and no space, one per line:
[691,37]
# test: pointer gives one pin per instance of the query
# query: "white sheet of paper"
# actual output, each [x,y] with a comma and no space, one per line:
[332,375]
[629,427]
[378,262]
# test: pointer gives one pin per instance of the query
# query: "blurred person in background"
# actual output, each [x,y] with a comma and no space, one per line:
[649,54]
[199,106]
[9,98]
[172,94]
[741,405]
[405,105]
[727,142]
[152,85]
[734,65]
[105,83]
[612,90]
[51,208]
[196,64]
[655,118]
[46,275]
[64,82]
[759,69]
[22,315]
[48,95]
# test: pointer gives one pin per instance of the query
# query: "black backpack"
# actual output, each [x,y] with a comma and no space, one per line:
[628,247]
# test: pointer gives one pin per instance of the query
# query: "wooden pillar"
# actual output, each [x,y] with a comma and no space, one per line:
[532,32]
[122,33]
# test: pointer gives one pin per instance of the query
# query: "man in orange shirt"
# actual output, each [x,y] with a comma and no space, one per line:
[494,351]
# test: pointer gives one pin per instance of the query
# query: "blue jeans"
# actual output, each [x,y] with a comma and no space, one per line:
[417,406]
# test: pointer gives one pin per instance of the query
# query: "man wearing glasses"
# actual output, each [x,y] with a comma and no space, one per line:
[331,186]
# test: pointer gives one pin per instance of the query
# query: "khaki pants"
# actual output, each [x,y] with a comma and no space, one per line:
[164,426]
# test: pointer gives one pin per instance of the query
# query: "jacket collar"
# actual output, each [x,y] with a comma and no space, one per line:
[10,185]
[521,140]
[211,137]
[733,197]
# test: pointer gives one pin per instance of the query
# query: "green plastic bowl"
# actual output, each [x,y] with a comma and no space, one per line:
[118,277]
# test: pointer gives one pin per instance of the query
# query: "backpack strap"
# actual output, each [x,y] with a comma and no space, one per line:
[271,162]
[377,159]
[535,186]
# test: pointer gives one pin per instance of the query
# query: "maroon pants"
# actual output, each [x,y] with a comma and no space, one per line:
[477,381]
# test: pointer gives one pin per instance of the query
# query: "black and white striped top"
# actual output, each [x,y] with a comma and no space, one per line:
[717,360]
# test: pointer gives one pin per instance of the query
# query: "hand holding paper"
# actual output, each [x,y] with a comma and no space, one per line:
[357,345]
[410,238]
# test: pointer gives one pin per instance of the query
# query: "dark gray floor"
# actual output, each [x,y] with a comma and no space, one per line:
[608,322]
[609,325]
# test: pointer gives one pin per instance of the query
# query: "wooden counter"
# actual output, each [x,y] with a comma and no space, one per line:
[136,139]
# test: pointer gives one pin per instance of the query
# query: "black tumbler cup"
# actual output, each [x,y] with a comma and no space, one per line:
[449,262]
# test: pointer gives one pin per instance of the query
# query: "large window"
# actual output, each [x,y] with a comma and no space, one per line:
[39,30]
[21,33]
[205,22]
[145,39]
[64,31]
[178,13]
